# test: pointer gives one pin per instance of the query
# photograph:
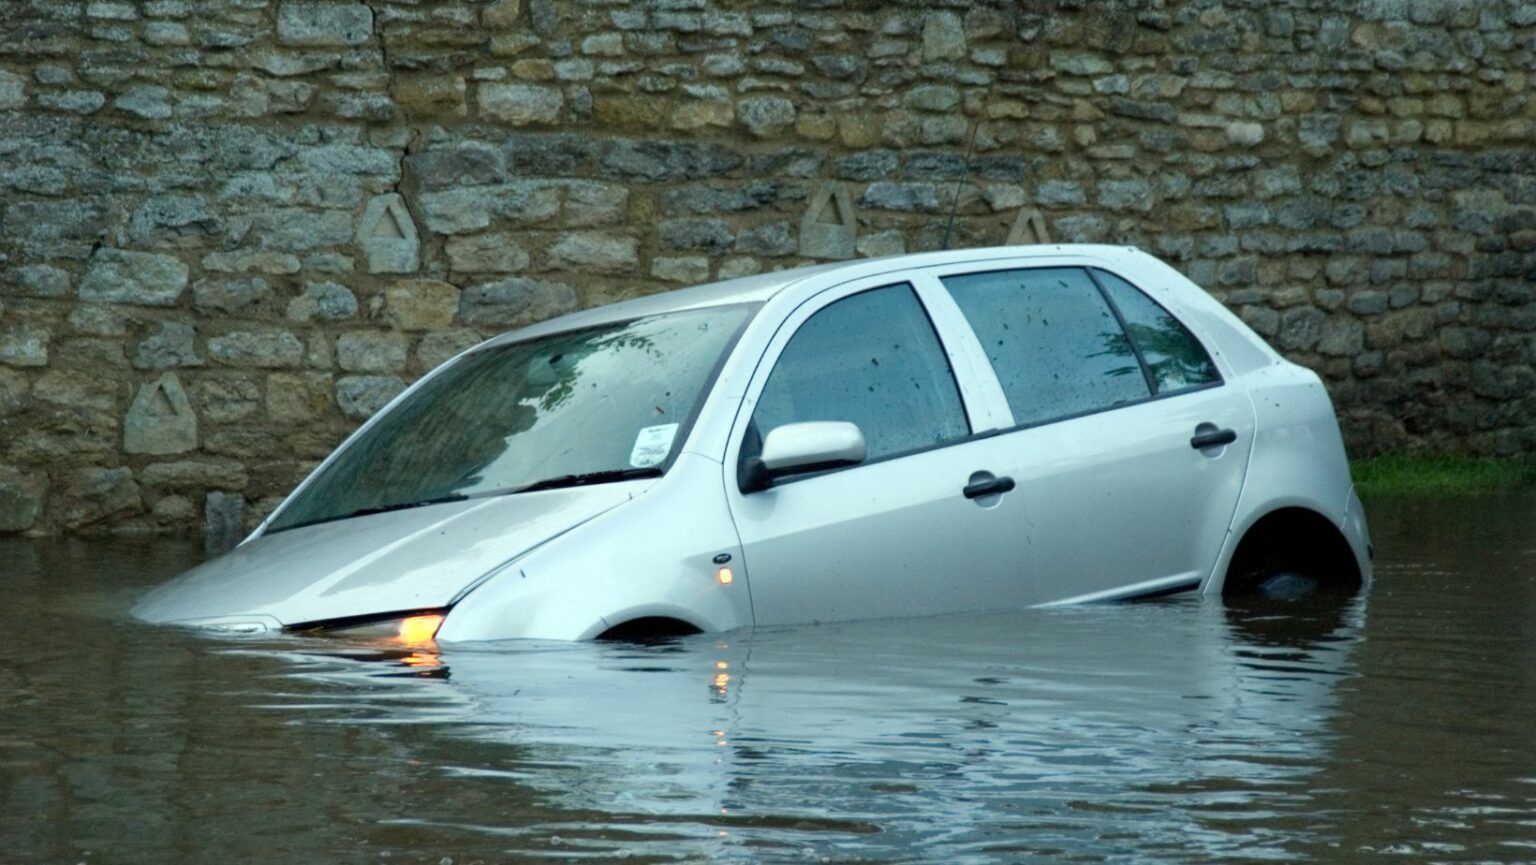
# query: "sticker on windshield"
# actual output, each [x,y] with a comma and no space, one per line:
[652,446]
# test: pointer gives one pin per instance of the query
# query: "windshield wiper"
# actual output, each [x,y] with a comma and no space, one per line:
[379,509]
[604,477]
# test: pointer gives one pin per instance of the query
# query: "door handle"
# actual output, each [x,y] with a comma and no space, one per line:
[989,487]
[1208,436]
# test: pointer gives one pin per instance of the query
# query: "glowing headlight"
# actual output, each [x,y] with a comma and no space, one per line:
[413,629]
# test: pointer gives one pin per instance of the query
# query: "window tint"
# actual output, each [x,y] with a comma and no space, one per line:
[1055,344]
[872,359]
[1173,355]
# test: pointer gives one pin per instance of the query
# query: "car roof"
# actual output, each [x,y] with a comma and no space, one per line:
[807,280]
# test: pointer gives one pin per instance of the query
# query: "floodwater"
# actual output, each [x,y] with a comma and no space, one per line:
[1400,726]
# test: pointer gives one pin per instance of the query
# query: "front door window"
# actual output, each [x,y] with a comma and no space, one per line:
[872,359]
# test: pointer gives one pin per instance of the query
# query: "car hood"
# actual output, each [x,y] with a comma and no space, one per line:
[410,559]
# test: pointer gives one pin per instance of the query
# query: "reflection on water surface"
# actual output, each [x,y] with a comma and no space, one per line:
[1397,726]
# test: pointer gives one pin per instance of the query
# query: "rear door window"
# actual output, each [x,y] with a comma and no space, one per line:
[1054,341]
[871,358]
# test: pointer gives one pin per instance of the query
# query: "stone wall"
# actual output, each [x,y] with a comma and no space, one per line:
[231,229]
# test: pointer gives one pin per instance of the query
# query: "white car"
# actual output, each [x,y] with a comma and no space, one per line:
[927,434]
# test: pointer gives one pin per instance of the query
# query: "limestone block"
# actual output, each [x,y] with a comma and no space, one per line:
[882,243]
[502,15]
[371,351]
[933,97]
[1245,134]
[293,229]
[298,397]
[251,261]
[360,396]
[740,266]
[770,239]
[100,320]
[13,90]
[830,226]
[521,104]
[26,345]
[323,301]
[696,115]
[172,345]
[73,101]
[765,115]
[172,220]
[226,398]
[515,302]
[149,103]
[435,348]
[36,280]
[142,278]
[1132,194]
[21,498]
[166,33]
[943,37]
[886,195]
[93,494]
[603,45]
[1301,328]
[195,475]
[469,164]
[160,421]
[111,11]
[485,253]
[588,203]
[324,24]
[690,269]
[14,390]
[426,96]
[388,236]
[230,295]
[259,348]
[174,511]
[421,304]
[592,250]
[332,159]
[705,235]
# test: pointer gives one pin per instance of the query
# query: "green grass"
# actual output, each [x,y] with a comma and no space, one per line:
[1397,474]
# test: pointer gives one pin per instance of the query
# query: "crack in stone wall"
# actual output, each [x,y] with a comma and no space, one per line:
[186,192]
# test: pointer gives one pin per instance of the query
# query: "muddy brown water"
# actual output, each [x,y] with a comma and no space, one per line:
[1400,726]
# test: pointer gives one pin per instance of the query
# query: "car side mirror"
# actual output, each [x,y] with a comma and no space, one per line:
[797,448]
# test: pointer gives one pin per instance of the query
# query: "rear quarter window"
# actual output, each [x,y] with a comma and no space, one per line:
[1175,359]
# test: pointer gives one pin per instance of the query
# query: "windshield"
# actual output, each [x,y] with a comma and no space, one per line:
[588,406]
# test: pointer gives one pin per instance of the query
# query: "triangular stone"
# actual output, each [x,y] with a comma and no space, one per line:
[830,227]
[388,236]
[161,420]
[160,405]
[1028,227]
[389,227]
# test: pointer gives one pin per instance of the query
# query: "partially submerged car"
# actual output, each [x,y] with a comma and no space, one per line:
[934,433]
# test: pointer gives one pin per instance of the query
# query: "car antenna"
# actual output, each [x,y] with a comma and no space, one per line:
[970,148]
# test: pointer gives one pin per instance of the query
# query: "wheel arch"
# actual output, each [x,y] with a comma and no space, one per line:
[1298,534]
[647,621]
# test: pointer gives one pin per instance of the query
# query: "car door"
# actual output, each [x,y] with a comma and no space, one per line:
[1128,448]
[898,534]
